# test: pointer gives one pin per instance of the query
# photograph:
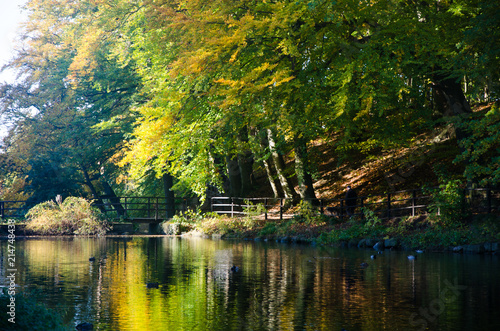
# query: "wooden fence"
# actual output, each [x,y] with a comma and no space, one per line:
[393,204]
[388,205]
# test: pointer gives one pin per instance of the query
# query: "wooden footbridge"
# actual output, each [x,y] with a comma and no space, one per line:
[132,209]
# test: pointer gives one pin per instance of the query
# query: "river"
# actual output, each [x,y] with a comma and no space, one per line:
[272,286]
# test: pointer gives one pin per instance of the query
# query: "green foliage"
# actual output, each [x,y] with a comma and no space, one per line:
[371,219]
[481,147]
[195,219]
[192,216]
[447,207]
[402,227]
[71,216]
[222,226]
[60,102]
[354,229]
[213,223]
[369,227]
[252,212]
[269,229]
[168,86]
[309,214]
[489,226]
[438,236]
[486,228]
[30,313]
[12,187]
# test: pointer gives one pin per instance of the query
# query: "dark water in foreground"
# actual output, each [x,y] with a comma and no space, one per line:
[277,287]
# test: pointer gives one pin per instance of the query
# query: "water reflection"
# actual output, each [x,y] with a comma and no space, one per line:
[277,287]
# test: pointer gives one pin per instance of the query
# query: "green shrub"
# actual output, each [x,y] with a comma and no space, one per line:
[190,217]
[308,214]
[71,216]
[447,204]
[252,212]
[438,236]
[371,219]
[489,227]
[355,229]
[269,229]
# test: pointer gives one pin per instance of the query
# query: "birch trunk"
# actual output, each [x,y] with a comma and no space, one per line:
[279,165]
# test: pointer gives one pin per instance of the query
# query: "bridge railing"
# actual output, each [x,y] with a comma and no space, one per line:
[142,208]
[12,208]
[130,207]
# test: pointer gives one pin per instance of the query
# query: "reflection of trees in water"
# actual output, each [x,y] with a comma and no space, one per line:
[277,286]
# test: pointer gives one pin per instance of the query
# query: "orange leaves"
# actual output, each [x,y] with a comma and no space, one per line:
[84,63]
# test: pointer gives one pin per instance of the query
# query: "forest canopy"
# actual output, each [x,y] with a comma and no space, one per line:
[134,96]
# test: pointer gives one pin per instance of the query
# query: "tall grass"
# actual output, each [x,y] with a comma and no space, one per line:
[71,216]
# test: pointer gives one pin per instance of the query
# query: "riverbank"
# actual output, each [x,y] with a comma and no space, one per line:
[479,234]
[116,228]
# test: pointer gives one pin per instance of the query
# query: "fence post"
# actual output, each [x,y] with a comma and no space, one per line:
[388,205]
[126,208]
[413,202]
[265,209]
[156,209]
[232,207]
[281,209]
[2,209]
[321,206]
[212,204]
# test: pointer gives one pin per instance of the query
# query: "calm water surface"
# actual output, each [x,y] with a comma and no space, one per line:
[277,286]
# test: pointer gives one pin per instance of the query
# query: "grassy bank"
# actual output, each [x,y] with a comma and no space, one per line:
[423,232]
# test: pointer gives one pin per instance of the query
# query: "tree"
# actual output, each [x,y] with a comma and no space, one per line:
[65,118]
[219,87]
[375,71]
[480,149]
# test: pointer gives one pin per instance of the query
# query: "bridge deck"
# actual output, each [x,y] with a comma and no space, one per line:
[145,220]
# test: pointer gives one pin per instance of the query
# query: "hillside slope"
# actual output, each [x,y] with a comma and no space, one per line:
[429,156]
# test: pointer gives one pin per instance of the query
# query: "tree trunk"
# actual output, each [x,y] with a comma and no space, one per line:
[219,164]
[450,100]
[168,182]
[270,177]
[95,195]
[115,201]
[306,189]
[279,164]
[234,175]
[268,166]
[267,161]
[245,162]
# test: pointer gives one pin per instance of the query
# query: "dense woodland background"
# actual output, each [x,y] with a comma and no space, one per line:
[288,98]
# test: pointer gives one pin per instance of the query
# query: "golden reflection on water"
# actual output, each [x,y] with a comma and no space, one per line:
[277,287]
